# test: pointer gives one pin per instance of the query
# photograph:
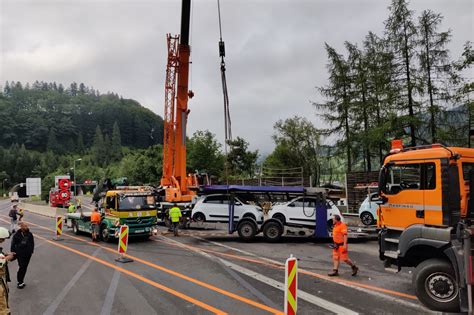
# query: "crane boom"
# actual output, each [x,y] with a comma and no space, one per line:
[175,180]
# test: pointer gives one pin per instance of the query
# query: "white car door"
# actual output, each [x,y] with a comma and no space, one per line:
[300,211]
[212,207]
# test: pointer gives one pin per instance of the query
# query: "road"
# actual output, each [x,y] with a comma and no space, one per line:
[199,272]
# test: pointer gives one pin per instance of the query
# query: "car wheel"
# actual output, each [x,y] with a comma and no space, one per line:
[272,231]
[75,227]
[280,217]
[436,286]
[106,237]
[247,230]
[199,217]
[367,218]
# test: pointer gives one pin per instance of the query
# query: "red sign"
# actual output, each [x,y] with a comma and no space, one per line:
[64,184]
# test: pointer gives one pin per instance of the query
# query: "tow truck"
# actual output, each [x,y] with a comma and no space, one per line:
[425,212]
[131,205]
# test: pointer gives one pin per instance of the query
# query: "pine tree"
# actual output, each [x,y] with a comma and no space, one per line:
[98,149]
[337,109]
[403,38]
[116,144]
[52,144]
[433,57]
[80,144]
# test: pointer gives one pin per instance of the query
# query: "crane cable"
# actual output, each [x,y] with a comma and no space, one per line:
[227,120]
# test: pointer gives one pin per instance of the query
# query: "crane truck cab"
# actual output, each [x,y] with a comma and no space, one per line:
[423,213]
[134,206]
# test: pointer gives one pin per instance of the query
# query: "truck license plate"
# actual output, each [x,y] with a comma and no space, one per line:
[139,231]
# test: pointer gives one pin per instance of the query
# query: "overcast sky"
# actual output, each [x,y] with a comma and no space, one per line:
[275,51]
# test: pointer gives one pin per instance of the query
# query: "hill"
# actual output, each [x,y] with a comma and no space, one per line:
[46,116]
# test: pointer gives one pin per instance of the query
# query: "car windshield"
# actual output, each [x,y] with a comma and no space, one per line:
[136,202]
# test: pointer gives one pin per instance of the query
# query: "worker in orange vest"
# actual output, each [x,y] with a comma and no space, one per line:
[95,224]
[339,248]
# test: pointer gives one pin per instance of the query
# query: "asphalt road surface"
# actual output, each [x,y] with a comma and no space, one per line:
[203,271]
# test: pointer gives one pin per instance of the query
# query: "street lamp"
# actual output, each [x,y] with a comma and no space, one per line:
[74,170]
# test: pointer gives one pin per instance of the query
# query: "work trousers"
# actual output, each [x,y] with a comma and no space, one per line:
[23,262]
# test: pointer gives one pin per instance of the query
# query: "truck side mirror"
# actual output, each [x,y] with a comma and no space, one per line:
[382,179]
[470,208]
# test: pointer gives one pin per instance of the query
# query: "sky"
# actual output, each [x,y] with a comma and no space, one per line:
[275,53]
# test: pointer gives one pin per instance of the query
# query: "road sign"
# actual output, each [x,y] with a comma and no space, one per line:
[33,186]
[64,195]
[64,184]
[291,285]
[123,244]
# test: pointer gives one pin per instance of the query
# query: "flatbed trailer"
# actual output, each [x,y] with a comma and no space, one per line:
[273,229]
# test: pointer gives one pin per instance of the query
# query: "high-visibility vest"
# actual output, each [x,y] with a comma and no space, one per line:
[71,209]
[175,214]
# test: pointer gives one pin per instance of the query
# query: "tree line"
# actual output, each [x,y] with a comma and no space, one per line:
[47,116]
[401,84]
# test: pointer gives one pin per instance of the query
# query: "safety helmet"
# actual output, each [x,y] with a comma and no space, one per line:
[3,260]
[4,233]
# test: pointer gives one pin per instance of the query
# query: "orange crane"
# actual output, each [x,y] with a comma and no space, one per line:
[178,185]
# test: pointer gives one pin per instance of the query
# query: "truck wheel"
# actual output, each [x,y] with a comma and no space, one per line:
[436,286]
[247,230]
[105,234]
[367,218]
[272,231]
[75,227]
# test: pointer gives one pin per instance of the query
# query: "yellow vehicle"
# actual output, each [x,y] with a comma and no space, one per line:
[424,215]
[131,205]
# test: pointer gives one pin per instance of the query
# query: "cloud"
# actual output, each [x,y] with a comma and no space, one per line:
[275,51]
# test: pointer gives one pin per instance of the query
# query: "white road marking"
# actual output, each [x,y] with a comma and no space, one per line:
[57,301]
[378,294]
[332,307]
[109,298]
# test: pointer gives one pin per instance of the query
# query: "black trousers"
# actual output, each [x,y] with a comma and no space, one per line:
[23,262]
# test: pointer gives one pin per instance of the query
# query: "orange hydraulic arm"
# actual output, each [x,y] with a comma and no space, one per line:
[175,178]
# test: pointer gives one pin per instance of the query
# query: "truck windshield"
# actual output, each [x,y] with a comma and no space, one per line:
[136,202]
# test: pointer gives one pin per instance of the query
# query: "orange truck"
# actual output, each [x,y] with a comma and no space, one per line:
[425,211]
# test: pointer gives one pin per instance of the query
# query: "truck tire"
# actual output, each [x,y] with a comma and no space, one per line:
[105,234]
[247,230]
[75,227]
[272,231]
[436,286]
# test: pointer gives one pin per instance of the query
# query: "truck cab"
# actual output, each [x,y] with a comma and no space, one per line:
[423,205]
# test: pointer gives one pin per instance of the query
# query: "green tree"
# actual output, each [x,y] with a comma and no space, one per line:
[433,58]
[116,144]
[337,110]
[402,35]
[241,160]
[297,145]
[204,153]
[98,149]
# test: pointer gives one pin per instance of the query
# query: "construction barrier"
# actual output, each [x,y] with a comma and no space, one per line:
[291,285]
[59,228]
[123,244]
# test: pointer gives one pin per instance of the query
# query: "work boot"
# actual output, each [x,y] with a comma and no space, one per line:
[355,269]
[334,273]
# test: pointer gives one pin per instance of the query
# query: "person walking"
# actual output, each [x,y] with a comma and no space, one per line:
[21,214]
[23,246]
[95,224]
[13,214]
[175,215]
[339,248]
[4,274]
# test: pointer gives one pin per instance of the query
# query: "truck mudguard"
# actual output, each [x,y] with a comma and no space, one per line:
[419,234]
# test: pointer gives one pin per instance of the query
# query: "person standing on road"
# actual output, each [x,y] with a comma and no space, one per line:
[95,224]
[23,246]
[13,214]
[339,252]
[175,215]
[4,274]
